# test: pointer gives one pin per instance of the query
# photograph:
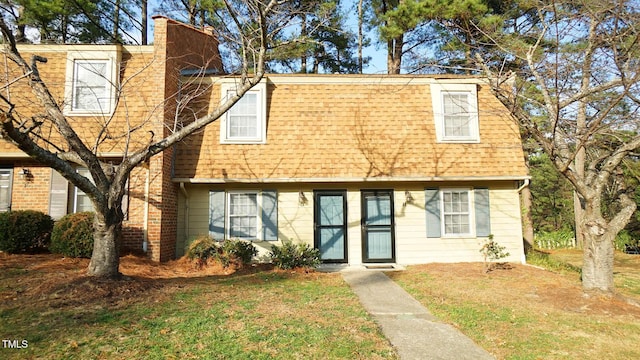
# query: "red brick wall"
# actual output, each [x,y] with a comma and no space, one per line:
[176,47]
[32,192]
[152,83]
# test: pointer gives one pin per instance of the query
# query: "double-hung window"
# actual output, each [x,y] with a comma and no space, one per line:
[455,109]
[91,86]
[245,121]
[456,212]
[91,80]
[243,215]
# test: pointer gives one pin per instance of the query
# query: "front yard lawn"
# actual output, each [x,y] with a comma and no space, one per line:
[165,311]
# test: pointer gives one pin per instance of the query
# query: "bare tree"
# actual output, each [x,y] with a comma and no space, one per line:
[578,96]
[249,24]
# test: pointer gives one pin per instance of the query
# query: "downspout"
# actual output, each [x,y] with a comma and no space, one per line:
[145,221]
[186,210]
[524,185]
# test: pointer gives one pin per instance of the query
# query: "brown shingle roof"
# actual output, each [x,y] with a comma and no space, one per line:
[354,127]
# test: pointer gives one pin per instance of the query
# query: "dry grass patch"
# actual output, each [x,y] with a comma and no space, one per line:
[526,312]
[173,310]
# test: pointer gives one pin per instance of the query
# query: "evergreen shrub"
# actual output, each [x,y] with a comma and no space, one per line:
[72,235]
[290,256]
[24,231]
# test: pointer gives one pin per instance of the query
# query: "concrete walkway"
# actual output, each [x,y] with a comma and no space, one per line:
[411,329]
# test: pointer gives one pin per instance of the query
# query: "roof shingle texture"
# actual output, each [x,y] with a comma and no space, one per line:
[354,130]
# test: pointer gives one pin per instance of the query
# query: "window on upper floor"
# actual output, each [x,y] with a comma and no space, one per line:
[91,83]
[455,109]
[246,121]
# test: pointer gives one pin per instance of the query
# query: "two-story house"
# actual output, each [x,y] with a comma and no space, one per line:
[367,168]
[118,98]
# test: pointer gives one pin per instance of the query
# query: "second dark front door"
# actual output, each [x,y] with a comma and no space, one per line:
[378,240]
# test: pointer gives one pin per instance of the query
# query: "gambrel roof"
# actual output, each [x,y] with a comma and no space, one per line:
[354,128]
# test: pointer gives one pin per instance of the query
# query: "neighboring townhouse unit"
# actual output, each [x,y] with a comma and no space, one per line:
[367,168]
[116,97]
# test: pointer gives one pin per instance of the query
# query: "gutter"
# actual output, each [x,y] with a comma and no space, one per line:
[349,179]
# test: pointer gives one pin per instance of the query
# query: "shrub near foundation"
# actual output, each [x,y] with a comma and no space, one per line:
[291,256]
[72,235]
[226,252]
[24,231]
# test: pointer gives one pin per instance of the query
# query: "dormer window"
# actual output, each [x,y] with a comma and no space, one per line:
[245,122]
[91,86]
[455,110]
[91,81]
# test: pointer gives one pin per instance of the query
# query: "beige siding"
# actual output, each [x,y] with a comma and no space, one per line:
[295,219]
[295,222]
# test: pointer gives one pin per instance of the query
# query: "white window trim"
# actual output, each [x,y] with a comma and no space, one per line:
[437,100]
[227,214]
[9,172]
[472,217]
[113,60]
[261,90]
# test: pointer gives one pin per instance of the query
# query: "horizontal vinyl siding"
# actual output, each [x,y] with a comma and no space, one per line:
[411,230]
[198,216]
[354,232]
[506,222]
[413,247]
[295,222]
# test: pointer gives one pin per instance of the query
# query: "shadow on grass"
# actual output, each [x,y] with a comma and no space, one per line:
[64,313]
[544,259]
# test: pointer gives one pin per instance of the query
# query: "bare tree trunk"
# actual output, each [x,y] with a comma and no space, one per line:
[597,268]
[105,259]
[578,215]
[192,15]
[303,32]
[599,235]
[143,21]
[527,219]
[360,36]
[116,21]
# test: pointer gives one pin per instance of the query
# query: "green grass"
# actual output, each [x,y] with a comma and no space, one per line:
[270,315]
[549,262]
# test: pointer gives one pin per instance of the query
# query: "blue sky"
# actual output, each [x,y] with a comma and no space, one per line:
[377,63]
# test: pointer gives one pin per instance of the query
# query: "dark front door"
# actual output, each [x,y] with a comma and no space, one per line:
[378,241]
[330,222]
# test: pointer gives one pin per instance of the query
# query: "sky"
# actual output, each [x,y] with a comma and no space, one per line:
[377,63]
